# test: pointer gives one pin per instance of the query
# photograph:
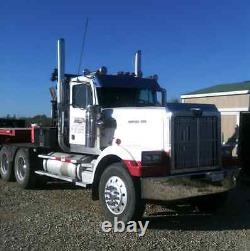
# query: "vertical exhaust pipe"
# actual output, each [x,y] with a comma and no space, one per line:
[61,106]
[60,68]
[138,72]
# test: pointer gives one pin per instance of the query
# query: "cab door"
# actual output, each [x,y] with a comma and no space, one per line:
[80,98]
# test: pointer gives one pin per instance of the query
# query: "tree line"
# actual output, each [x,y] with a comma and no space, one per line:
[40,119]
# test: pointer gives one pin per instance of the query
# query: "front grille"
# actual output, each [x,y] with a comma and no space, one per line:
[195,142]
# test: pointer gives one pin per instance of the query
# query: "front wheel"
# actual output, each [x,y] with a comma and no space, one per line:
[120,194]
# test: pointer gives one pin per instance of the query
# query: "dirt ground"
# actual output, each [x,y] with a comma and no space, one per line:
[62,217]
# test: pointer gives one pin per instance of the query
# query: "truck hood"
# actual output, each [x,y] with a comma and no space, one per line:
[145,128]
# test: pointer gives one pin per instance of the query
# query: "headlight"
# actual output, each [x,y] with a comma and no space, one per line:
[151,158]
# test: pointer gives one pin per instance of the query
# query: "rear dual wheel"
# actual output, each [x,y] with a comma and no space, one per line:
[6,167]
[24,174]
[21,170]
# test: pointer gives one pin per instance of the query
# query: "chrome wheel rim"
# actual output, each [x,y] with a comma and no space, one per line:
[4,164]
[115,194]
[21,168]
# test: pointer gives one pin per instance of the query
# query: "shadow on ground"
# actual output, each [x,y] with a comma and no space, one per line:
[235,215]
[57,185]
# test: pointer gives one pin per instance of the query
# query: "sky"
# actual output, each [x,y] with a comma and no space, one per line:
[190,44]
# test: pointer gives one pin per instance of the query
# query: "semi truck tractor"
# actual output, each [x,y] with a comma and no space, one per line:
[116,134]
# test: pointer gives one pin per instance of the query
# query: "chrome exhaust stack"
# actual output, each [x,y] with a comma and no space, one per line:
[60,68]
[61,104]
[138,72]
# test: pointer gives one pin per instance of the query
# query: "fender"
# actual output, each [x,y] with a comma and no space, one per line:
[124,155]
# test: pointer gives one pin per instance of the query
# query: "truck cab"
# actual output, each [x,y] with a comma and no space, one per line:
[105,98]
[116,134]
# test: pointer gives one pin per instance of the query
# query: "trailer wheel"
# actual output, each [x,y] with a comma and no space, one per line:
[120,194]
[6,168]
[24,174]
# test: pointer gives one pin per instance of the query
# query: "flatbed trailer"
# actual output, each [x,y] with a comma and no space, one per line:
[16,135]
[38,136]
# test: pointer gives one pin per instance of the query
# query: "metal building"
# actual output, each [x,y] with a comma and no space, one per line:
[233,101]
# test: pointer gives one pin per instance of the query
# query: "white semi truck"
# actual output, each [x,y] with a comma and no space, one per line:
[117,134]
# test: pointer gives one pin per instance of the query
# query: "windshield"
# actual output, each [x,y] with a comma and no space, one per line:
[126,97]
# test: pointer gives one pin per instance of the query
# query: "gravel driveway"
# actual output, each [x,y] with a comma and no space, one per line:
[62,217]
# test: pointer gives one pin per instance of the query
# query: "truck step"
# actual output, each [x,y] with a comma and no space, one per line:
[55,176]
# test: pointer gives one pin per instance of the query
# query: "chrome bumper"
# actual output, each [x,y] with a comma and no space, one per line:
[189,185]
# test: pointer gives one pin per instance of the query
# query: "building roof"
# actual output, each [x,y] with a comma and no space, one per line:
[221,90]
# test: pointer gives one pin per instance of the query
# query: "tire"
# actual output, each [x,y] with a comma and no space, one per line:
[6,165]
[24,174]
[211,203]
[116,180]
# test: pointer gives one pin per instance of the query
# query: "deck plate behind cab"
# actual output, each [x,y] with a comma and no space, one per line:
[15,135]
